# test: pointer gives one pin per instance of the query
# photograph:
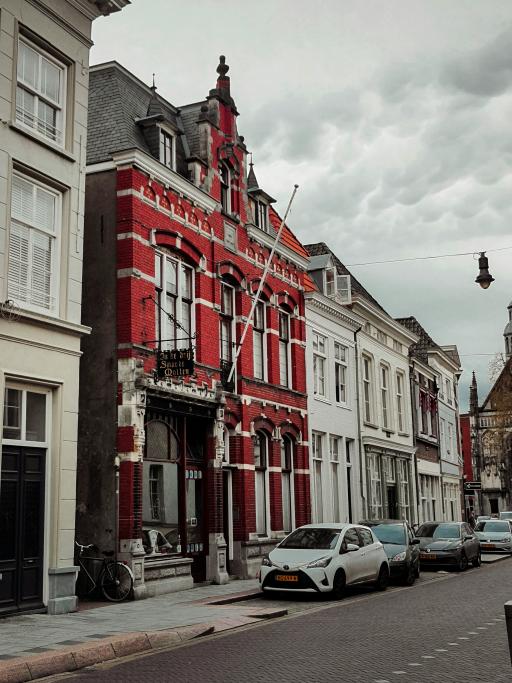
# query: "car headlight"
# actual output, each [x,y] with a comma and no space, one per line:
[507,539]
[322,562]
[266,561]
[400,557]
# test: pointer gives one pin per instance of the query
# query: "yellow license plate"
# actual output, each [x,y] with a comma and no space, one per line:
[487,545]
[428,556]
[287,577]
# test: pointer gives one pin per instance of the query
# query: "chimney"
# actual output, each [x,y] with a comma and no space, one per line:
[223,85]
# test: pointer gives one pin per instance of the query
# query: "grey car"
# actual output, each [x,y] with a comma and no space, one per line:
[495,535]
[448,544]
[401,546]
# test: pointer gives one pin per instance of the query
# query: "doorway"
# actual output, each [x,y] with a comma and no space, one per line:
[392,502]
[22,507]
[227,515]
[495,507]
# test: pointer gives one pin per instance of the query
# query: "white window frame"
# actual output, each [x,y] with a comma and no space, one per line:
[262,504]
[338,285]
[335,446]
[367,377]
[24,389]
[31,228]
[318,475]
[163,322]
[319,365]
[225,188]
[375,503]
[260,336]
[340,373]
[163,135]
[400,402]
[285,376]
[287,484]
[227,318]
[39,96]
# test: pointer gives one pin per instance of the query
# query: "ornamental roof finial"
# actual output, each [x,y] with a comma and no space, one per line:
[223,68]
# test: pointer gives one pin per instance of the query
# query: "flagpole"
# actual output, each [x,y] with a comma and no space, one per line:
[260,286]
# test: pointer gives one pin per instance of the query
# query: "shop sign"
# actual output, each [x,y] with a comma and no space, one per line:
[174,363]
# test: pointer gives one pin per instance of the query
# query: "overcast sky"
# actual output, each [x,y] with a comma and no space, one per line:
[393,116]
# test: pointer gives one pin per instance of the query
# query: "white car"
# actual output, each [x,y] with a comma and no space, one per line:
[325,558]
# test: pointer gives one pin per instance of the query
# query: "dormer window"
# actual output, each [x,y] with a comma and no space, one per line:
[261,215]
[336,285]
[167,149]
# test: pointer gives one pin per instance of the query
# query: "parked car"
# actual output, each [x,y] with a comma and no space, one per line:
[506,514]
[448,543]
[482,518]
[495,535]
[401,546]
[325,558]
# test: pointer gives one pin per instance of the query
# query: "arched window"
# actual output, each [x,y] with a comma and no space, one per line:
[260,482]
[225,194]
[287,447]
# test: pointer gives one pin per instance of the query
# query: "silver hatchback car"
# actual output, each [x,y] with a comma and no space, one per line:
[495,535]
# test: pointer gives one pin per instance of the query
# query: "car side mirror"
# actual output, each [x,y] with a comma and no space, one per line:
[467,537]
[352,547]
[415,541]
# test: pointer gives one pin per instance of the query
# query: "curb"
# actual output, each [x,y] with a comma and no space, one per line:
[31,668]
[73,658]
[234,597]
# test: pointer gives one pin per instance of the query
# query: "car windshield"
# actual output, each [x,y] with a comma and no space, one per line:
[438,531]
[390,533]
[493,526]
[311,539]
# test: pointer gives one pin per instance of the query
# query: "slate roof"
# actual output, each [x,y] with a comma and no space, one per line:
[116,100]
[321,248]
[189,115]
[425,342]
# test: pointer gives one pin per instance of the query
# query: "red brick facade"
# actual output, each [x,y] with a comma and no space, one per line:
[154,214]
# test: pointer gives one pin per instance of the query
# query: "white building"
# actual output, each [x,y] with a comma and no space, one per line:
[386,485]
[332,396]
[434,376]
[447,367]
[43,110]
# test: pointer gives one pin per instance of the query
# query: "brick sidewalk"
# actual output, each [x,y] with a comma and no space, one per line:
[35,645]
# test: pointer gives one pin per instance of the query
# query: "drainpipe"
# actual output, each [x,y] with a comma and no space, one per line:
[359,430]
[415,432]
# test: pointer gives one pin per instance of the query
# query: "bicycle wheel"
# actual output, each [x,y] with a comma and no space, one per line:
[116,581]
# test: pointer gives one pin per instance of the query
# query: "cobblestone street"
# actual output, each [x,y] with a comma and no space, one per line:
[448,627]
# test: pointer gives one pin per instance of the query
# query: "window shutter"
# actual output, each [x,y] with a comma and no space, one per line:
[344,289]
[40,294]
[17,278]
[22,202]
[44,210]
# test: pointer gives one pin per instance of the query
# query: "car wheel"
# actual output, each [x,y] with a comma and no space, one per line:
[383,578]
[410,577]
[463,562]
[478,560]
[339,583]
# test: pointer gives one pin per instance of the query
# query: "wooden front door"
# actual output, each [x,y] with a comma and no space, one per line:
[22,492]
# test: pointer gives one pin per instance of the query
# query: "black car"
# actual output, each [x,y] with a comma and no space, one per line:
[448,544]
[401,546]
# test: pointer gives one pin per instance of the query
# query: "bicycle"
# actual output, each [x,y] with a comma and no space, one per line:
[114,579]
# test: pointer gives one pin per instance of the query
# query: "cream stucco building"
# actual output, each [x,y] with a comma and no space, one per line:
[44,57]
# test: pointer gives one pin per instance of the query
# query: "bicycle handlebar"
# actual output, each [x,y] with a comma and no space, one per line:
[83,547]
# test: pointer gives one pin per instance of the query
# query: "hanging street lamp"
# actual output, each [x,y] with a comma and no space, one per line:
[484,278]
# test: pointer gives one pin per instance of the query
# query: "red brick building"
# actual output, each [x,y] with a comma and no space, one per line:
[177,233]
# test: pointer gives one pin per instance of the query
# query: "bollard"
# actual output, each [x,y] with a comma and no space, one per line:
[508,618]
